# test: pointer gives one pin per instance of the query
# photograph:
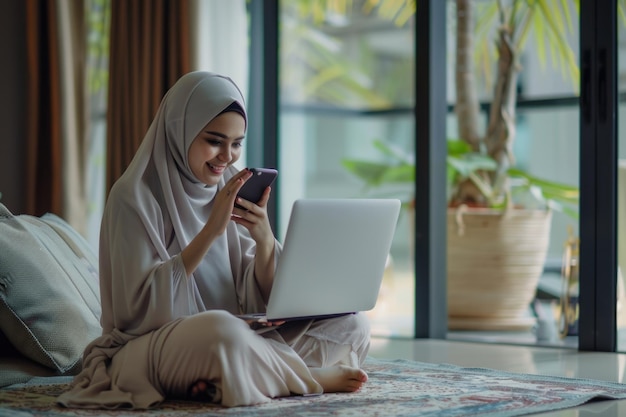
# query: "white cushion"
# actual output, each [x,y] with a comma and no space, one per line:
[49,293]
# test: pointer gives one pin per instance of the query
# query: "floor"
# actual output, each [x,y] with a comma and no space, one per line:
[525,359]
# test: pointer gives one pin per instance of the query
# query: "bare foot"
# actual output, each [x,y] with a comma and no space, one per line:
[203,390]
[339,378]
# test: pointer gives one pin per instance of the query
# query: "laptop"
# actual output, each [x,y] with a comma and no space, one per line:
[333,259]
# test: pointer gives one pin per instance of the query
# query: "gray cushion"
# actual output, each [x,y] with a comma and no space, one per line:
[49,293]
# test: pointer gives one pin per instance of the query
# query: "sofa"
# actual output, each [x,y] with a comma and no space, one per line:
[49,297]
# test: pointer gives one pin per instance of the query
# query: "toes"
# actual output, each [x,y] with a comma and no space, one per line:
[203,391]
[362,376]
[198,387]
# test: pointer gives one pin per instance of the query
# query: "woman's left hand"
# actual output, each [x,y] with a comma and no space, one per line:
[254,218]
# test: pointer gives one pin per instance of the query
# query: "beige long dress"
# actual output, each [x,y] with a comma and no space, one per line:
[163,330]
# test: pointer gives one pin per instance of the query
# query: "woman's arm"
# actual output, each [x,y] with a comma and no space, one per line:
[264,267]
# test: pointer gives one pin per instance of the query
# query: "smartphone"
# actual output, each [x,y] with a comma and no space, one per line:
[261,178]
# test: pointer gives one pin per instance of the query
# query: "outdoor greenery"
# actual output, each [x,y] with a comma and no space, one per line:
[481,166]
[462,163]
[323,64]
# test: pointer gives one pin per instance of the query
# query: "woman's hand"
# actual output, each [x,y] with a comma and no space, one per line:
[257,323]
[254,218]
[222,211]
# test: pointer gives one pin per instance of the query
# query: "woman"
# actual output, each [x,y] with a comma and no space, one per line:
[178,263]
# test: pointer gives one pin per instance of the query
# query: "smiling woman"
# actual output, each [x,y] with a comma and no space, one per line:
[179,263]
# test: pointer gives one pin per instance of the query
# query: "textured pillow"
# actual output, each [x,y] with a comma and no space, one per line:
[49,293]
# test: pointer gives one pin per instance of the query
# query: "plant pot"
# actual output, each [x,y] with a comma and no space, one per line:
[495,260]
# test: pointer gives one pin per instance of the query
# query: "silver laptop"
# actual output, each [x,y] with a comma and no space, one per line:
[333,258]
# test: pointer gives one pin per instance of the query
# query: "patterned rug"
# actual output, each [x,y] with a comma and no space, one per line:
[395,388]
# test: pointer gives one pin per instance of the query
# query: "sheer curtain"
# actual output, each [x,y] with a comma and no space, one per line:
[75,109]
[220,38]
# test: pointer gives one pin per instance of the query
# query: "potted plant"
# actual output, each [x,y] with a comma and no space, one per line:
[499,216]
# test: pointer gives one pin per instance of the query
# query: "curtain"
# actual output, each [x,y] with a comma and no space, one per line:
[56,124]
[43,176]
[149,51]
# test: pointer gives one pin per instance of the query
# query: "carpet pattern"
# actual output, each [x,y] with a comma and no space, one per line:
[395,388]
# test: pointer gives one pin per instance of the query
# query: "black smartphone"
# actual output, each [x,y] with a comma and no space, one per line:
[261,178]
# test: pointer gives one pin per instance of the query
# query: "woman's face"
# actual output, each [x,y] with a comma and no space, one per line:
[216,147]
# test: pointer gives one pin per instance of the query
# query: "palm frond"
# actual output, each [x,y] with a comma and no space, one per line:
[549,21]
[552,15]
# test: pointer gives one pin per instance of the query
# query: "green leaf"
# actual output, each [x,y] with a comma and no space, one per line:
[399,174]
[470,163]
[457,147]
[393,152]
[549,191]
[566,189]
[370,172]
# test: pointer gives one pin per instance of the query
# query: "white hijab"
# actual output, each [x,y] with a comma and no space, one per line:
[159,190]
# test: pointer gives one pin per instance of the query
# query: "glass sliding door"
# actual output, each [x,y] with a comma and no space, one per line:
[346,71]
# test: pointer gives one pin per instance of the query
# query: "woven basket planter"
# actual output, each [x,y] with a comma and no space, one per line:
[495,260]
